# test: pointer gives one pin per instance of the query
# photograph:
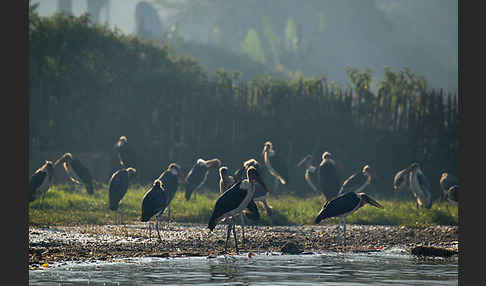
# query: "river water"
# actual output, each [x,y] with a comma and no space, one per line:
[388,267]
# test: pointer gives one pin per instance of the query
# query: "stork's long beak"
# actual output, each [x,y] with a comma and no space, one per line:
[372,202]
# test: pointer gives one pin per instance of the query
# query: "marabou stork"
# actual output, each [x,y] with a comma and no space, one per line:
[260,193]
[310,172]
[170,181]
[447,180]
[41,181]
[357,182]
[198,174]
[118,186]
[329,177]
[275,164]
[125,153]
[452,195]
[154,203]
[225,182]
[419,186]
[401,181]
[77,172]
[234,200]
[344,205]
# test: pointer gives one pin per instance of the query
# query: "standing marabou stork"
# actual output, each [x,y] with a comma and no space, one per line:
[198,174]
[118,186]
[77,172]
[447,180]
[310,172]
[154,203]
[40,182]
[125,153]
[357,182]
[260,192]
[234,200]
[170,181]
[419,186]
[344,205]
[401,181]
[329,177]
[275,164]
[452,196]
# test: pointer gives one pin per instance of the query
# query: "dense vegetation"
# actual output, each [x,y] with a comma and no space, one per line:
[88,85]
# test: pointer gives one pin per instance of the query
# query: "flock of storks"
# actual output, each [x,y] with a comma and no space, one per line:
[240,191]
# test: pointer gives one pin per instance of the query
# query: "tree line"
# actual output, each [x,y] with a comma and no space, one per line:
[89,84]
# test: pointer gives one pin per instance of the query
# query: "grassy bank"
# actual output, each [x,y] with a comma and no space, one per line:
[65,205]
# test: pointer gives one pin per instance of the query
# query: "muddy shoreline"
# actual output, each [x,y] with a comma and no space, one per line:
[58,244]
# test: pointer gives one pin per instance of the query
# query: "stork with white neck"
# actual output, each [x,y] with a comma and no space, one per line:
[234,200]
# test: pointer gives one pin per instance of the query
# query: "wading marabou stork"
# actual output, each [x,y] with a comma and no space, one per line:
[154,203]
[198,174]
[118,186]
[40,182]
[170,181]
[76,171]
[125,153]
[344,205]
[275,164]
[234,200]
[260,192]
[447,180]
[310,175]
[401,181]
[419,186]
[357,182]
[329,177]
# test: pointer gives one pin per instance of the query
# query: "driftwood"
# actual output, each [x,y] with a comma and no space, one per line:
[433,251]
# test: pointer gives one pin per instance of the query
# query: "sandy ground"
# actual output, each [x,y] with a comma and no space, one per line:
[112,242]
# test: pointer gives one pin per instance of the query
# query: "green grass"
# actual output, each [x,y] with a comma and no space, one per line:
[64,205]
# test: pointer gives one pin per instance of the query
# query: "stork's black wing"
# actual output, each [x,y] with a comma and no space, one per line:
[338,206]
[170,184]
[35,182]
[118,186]
[84,174]
[153,202]
[194,178]
[226,202]
[329,180]
[423,181]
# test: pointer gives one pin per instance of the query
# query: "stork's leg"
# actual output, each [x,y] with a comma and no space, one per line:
[242,216]
[236,241]
[168,211]
[344,230]
[227,236]
[268,209]
[157,226]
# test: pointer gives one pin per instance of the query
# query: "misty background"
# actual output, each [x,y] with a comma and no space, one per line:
[285,38]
